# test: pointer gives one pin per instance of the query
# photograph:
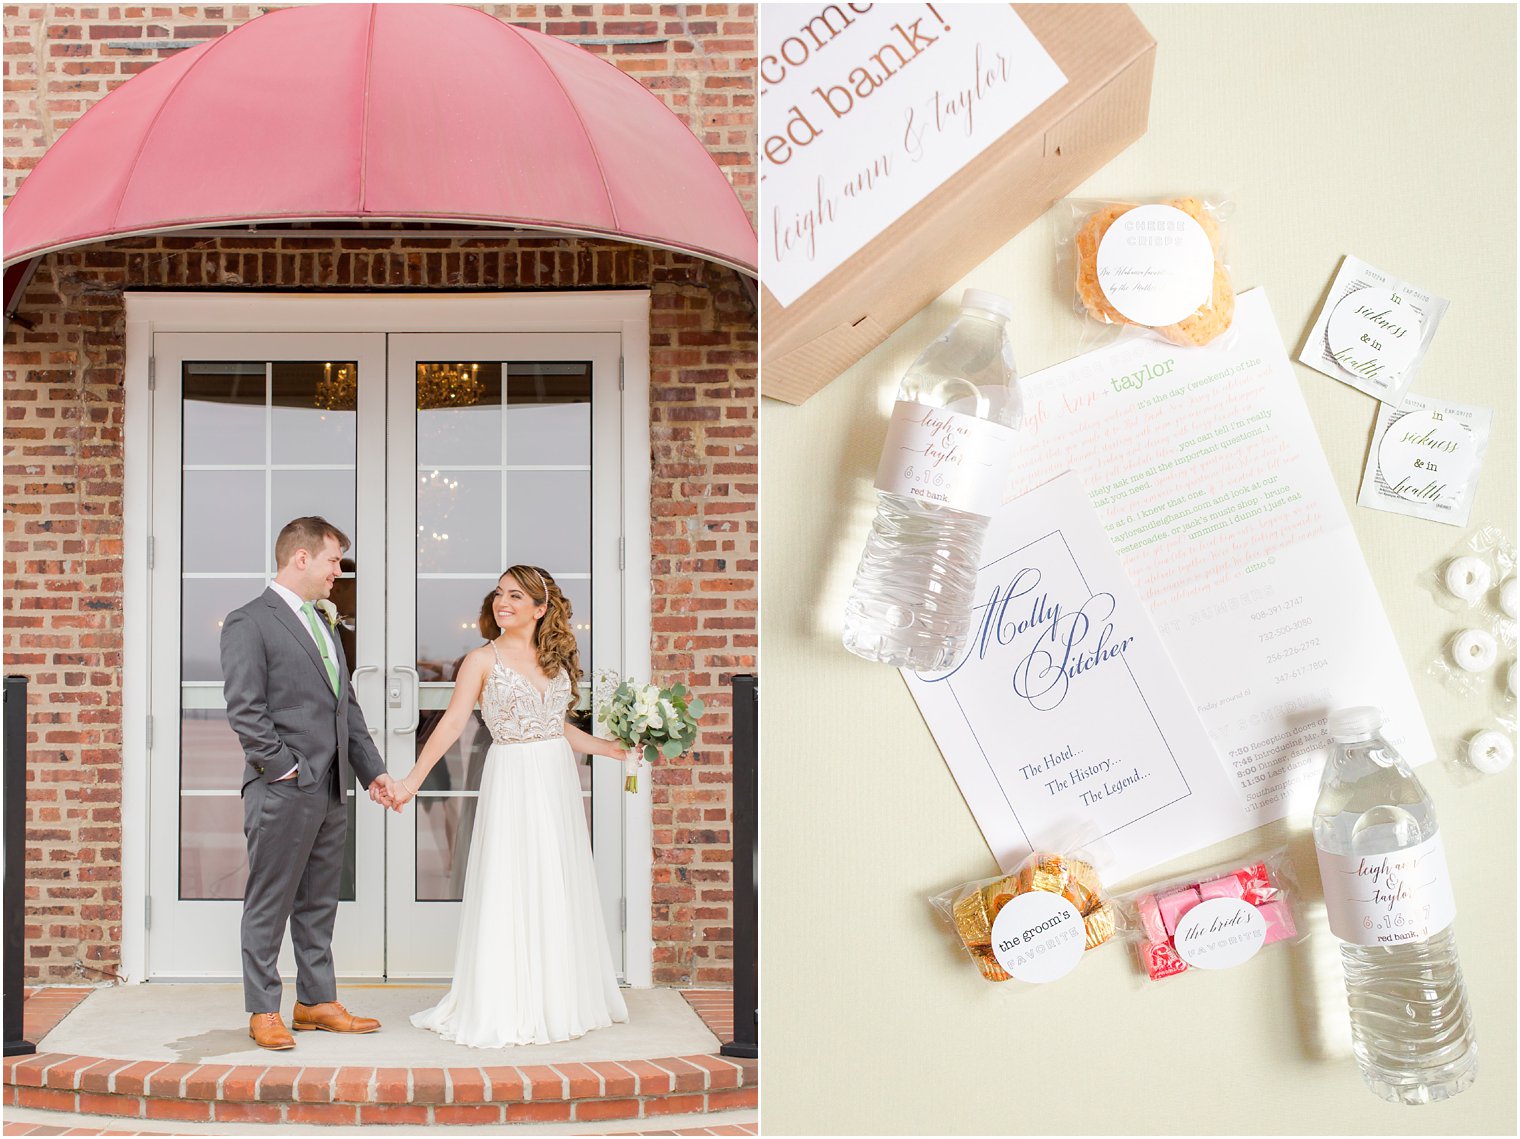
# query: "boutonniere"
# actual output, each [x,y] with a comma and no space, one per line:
[329,612]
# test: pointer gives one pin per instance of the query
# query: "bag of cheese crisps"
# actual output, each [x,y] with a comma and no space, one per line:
[1032,925]
[1156,266]
[1214,919]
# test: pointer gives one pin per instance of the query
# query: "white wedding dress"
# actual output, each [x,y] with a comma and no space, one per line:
[532,964]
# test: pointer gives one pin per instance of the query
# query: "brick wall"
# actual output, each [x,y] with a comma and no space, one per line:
[64,462]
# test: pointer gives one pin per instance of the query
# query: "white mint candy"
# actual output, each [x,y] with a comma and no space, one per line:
[1467,578]
[1374,333]
[1474,650]
[1490,752]
[1510,679]
[1507,596]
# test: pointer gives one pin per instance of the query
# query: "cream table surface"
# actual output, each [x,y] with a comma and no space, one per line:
[1384,131]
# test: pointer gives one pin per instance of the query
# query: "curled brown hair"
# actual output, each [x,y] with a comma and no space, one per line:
[553,636]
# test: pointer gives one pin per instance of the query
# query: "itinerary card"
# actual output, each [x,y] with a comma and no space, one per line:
[1066,715]
[866,109]
[1207,474]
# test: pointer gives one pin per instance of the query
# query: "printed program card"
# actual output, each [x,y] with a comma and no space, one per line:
[1066,716]
[866,109]
[1206,472]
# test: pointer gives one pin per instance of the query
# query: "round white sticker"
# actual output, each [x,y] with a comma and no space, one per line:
[1426,456]
[1038,937]
[1220,933]
[1155,265]
[1374,333]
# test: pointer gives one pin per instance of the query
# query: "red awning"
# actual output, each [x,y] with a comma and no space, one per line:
[358,112]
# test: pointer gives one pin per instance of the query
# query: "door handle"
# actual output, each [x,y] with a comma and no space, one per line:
[393,696]
[353,683]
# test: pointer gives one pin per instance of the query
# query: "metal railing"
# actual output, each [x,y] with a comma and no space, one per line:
[746,834]
[14,899]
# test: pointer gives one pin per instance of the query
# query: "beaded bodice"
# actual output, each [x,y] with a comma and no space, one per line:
[515,712]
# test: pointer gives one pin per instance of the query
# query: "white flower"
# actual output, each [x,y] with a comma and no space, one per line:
[329,612]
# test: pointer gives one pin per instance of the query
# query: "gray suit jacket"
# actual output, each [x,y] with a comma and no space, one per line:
[281,705]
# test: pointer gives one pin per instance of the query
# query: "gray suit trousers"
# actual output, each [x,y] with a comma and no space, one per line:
[295,862]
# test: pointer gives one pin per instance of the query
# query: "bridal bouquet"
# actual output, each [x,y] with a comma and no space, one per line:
[658,721]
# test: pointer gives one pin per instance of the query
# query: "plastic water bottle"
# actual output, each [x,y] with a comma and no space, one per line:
[1389,901]
[943,471]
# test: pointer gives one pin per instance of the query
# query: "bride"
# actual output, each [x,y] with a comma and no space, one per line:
[532,964]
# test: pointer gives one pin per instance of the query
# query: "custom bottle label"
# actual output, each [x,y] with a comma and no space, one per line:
[1387,899]
[946,458]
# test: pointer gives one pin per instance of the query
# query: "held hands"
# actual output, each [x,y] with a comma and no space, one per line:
[389,793]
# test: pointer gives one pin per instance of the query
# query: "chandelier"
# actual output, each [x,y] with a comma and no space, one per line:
[337,392]
[448,385]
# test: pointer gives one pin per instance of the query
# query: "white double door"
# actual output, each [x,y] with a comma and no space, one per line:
[445,458]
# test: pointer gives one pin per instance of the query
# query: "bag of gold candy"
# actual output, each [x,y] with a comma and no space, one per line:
[1032,925]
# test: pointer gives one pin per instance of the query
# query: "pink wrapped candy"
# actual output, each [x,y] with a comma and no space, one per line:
[1153,917]
[1174,905]
[1230,886]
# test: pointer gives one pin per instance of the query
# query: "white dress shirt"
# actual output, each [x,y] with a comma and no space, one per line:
[326,644]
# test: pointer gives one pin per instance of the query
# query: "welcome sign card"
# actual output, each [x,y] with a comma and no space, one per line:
[1066,716]
[866,109]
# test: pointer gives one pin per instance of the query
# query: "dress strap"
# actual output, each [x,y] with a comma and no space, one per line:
[496,653]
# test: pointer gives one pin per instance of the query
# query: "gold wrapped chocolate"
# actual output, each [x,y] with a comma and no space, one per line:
[1099,925]
[1084,876]
[1049,873]
[987,963]
[995,896]
[976,905]
[972,921]
[1080,896]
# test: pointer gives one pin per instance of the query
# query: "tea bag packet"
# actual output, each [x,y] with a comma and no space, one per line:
[1425,459]
[1373,331]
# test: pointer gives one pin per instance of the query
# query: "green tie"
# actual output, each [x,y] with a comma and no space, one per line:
[327,661]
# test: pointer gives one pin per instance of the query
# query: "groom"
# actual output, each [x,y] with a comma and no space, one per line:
[290,703]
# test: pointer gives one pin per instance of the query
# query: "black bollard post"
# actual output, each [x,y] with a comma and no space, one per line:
[746,831]
[14,900]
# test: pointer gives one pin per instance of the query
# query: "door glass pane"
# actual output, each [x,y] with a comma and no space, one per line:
[312,415]
[274,415]
[459,521]
[458,432]
[448,613]
[549,414]
[204,604]
[223,412]
[221,513]
[213,854]
[549,520]
[212,757]
[327,494]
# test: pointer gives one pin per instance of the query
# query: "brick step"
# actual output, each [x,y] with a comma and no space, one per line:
[417,1097]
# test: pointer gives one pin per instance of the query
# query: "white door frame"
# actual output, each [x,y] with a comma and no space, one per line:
[625,312]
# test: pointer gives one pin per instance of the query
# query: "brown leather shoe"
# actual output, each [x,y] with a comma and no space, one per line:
[330,1017]
[269,1031]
